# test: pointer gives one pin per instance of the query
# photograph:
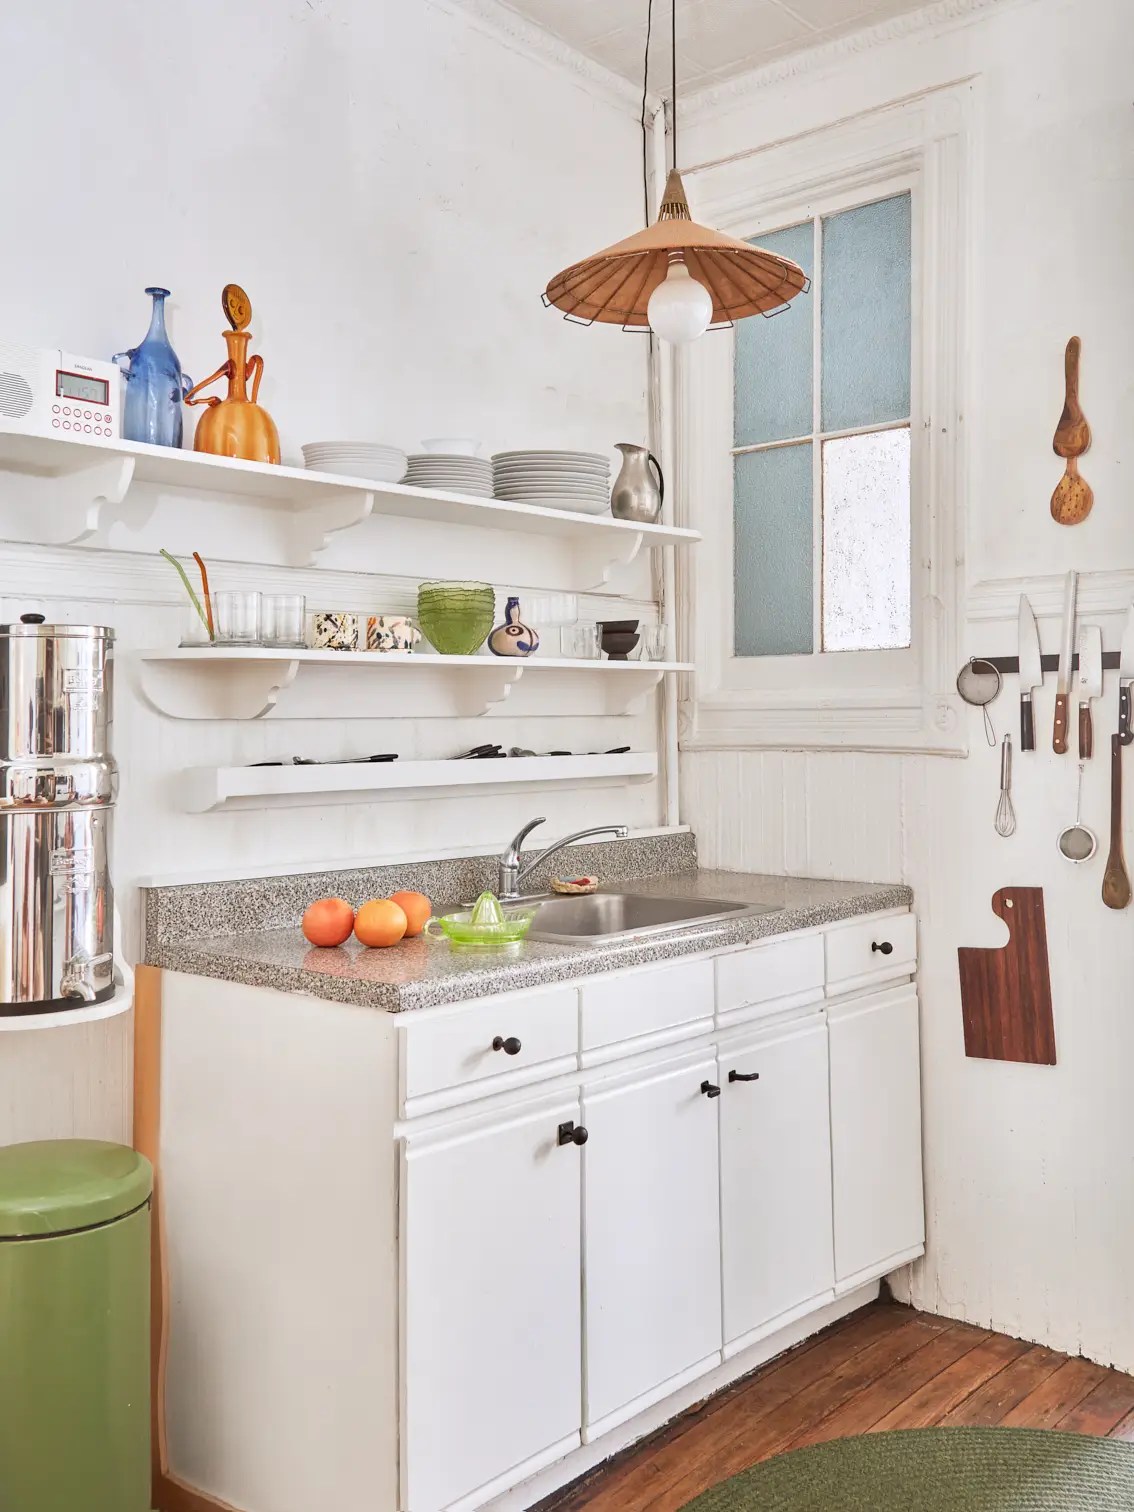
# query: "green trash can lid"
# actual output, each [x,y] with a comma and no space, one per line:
[56,1186]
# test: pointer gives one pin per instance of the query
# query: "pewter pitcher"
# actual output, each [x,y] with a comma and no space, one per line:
[637,495]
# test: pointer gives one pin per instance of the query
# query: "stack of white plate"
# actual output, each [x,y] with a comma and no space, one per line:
[554,479]
[451,472]
[356,459]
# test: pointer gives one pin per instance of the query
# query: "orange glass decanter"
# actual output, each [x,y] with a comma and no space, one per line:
[236,426]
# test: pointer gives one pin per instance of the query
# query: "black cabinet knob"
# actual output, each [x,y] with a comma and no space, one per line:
[884,949]
[709,1089]
[735,1076]
[510,1046]
[569,1134]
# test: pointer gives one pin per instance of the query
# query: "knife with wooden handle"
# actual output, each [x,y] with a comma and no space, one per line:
[1089,684]
[1066,657]
[1031,671]
[1125,677]
[1115,882]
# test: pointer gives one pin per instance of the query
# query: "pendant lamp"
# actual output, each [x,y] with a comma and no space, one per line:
[677,278]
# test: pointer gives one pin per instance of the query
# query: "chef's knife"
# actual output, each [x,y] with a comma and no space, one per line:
[1031,673]
[1066,656]
[1089,685]
[1125,677]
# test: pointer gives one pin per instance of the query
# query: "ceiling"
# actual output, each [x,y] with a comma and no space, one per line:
[715,38]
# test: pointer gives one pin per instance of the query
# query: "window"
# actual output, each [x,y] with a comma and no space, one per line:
[821,444]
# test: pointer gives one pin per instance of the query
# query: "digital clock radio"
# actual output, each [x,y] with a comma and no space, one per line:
[47,392]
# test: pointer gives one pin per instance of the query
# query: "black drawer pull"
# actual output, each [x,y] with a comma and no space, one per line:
[743,1076]
[510,1046]
[709,1089]
[885,948]
[569,1134]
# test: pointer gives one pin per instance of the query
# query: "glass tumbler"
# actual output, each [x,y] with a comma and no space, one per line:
[237,618]
[283,619]
[581,641]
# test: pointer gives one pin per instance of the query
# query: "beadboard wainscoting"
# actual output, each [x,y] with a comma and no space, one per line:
[1029,1169]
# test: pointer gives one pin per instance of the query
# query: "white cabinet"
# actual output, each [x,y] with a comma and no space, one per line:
[652,1302]
[490,1304]
[776,1241]
[876,1131]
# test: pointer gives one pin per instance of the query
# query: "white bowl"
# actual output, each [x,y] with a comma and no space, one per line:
[456,446]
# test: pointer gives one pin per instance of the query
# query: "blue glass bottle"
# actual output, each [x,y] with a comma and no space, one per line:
[155,384]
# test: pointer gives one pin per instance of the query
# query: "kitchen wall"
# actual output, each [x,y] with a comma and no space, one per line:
[1029,1170]
[393,185]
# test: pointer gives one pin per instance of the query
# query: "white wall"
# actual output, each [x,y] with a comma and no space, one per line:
[393,184]
[1030,1170]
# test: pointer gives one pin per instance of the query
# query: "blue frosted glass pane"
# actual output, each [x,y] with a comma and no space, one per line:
[773,571]
[773,362]
[866,315]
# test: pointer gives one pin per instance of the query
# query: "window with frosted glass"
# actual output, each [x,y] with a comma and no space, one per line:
[821,444]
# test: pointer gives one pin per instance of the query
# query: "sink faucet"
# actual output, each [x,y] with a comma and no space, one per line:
[512,873]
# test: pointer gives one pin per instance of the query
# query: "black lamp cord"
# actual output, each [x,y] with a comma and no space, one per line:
[645,92]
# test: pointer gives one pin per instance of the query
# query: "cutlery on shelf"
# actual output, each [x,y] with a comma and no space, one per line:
[1090,685]
[1066,657]
[1031,672]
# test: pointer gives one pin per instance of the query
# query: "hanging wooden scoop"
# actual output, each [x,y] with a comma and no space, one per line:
[1073,498]
[1115,882]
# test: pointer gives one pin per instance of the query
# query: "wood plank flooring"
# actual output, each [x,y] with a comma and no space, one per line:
[884,1367]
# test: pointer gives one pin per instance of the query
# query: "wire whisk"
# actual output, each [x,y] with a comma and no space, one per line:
[1005,813]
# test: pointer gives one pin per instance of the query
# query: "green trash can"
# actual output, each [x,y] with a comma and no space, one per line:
[74,1327]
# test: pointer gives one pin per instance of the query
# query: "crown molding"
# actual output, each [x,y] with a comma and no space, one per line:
[507,26]
[939,15]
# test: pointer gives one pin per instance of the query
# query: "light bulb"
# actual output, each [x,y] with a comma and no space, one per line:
[680,308]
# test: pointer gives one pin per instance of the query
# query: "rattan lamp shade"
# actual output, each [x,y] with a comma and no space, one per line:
[614,286]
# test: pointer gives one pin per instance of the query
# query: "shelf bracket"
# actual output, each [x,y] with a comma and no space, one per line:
[484,687]
[312,525]
[193,690]
[78,499]
[596,561]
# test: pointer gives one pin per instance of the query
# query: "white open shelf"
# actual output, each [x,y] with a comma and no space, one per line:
[90,481]
[204,683]
[205,789]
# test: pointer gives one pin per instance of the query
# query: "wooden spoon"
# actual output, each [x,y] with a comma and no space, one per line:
[1115,882]
[1073,498]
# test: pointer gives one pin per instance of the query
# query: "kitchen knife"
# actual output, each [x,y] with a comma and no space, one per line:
[1125,677]
[1031,672]
[1089,685]
[1066,656]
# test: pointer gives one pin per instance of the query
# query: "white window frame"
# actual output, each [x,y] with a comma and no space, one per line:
[901,700]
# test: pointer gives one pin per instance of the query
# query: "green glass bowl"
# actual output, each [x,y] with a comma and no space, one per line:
[456,617]
[463,934]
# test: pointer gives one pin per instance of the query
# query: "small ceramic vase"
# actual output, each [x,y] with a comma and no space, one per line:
[236,426]
[391,632]
[513,638]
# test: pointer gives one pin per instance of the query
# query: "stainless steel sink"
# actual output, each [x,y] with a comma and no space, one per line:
[583,920]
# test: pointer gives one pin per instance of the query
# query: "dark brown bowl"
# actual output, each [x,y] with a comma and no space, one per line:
[618,627]
[619,647]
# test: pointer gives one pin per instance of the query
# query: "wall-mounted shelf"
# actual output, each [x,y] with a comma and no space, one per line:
[90,480]
[206,789]
[202,683]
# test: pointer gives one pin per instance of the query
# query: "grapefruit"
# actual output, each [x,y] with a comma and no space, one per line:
[380,922]
[328,921]
[417,909]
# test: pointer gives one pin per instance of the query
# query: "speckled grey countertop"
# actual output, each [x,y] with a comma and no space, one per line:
[422,973]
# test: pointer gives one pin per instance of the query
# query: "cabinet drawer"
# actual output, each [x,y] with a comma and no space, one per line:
[645,1002]
[857,955]
[779,974]
[536,1034]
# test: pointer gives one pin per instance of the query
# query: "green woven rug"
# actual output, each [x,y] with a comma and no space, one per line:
[938,1470]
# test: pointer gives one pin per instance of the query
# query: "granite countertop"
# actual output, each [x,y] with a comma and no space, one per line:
[422,973]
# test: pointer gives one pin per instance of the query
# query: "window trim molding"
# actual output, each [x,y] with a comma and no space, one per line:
[926,138]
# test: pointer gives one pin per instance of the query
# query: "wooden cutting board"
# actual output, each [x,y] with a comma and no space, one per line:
[1006,992]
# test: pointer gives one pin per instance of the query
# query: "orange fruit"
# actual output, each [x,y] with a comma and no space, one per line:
[417,909]
[328,921]
[380,922]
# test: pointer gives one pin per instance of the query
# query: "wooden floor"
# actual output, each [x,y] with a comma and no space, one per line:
[883,1367]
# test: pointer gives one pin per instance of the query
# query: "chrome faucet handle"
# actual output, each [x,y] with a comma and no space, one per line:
[514,846]
[509,863]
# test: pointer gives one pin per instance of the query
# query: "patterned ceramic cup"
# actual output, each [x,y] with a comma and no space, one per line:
[334,630]
[391,632]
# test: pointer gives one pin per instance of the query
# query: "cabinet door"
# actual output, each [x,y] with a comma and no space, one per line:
[876,1131]
[491,1372]
[651,1268]
[776,1240]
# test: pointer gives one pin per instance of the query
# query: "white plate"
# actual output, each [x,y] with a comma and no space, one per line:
[553,485]
[591,480]
[572,456]
[545,490]
[549,466]
[571,506]
[368,472]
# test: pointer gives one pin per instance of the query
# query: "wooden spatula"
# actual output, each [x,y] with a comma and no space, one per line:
[1073,498]
[1115,882]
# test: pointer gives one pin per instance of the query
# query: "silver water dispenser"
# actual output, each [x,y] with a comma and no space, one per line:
[58,784]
